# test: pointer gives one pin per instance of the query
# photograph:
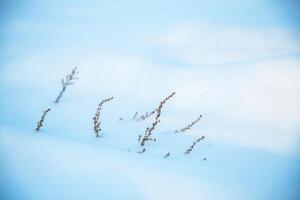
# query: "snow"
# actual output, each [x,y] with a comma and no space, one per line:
[47,166]
[240,70]
[67,161]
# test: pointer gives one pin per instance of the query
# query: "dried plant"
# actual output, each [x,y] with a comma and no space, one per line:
[142,151]
[167,155]
[148,131]
[135,115]
[146,115]
[39,124]
[68,80]
[96,118]
[193,145]
[189,126]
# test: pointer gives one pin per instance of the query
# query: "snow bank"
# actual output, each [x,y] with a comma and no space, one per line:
[44,166]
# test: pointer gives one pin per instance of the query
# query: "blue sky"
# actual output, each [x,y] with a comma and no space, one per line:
[236,62]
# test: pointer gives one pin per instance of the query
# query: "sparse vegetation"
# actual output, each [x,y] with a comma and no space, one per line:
[96,118]
[167,155]
[143,138]
[190,149]
[148,132]
[146,115]
[39,124]
[68,80]
[189,126]
[135,114]
[142,151]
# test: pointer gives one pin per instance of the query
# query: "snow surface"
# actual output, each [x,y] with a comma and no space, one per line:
[239,69]
[45,165]
[67,161]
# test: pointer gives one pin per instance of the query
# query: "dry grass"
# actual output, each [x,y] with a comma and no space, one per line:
[188,127]
[148,132]
[146,115]
[167,155]
[135,115]
[68,80]
[39,124]
[190,149]
[142,151]
[96,118]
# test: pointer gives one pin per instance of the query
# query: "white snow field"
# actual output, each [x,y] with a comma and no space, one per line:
[42,166]
[250,150]
[235,62]
[243,156]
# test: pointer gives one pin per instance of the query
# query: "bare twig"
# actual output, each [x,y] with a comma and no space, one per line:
[146,115]
[148,131]
[142,151]
[135,114]
[39,124]
[167,155]
[189,126]
[96,118]
[193,145]
[68,80]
